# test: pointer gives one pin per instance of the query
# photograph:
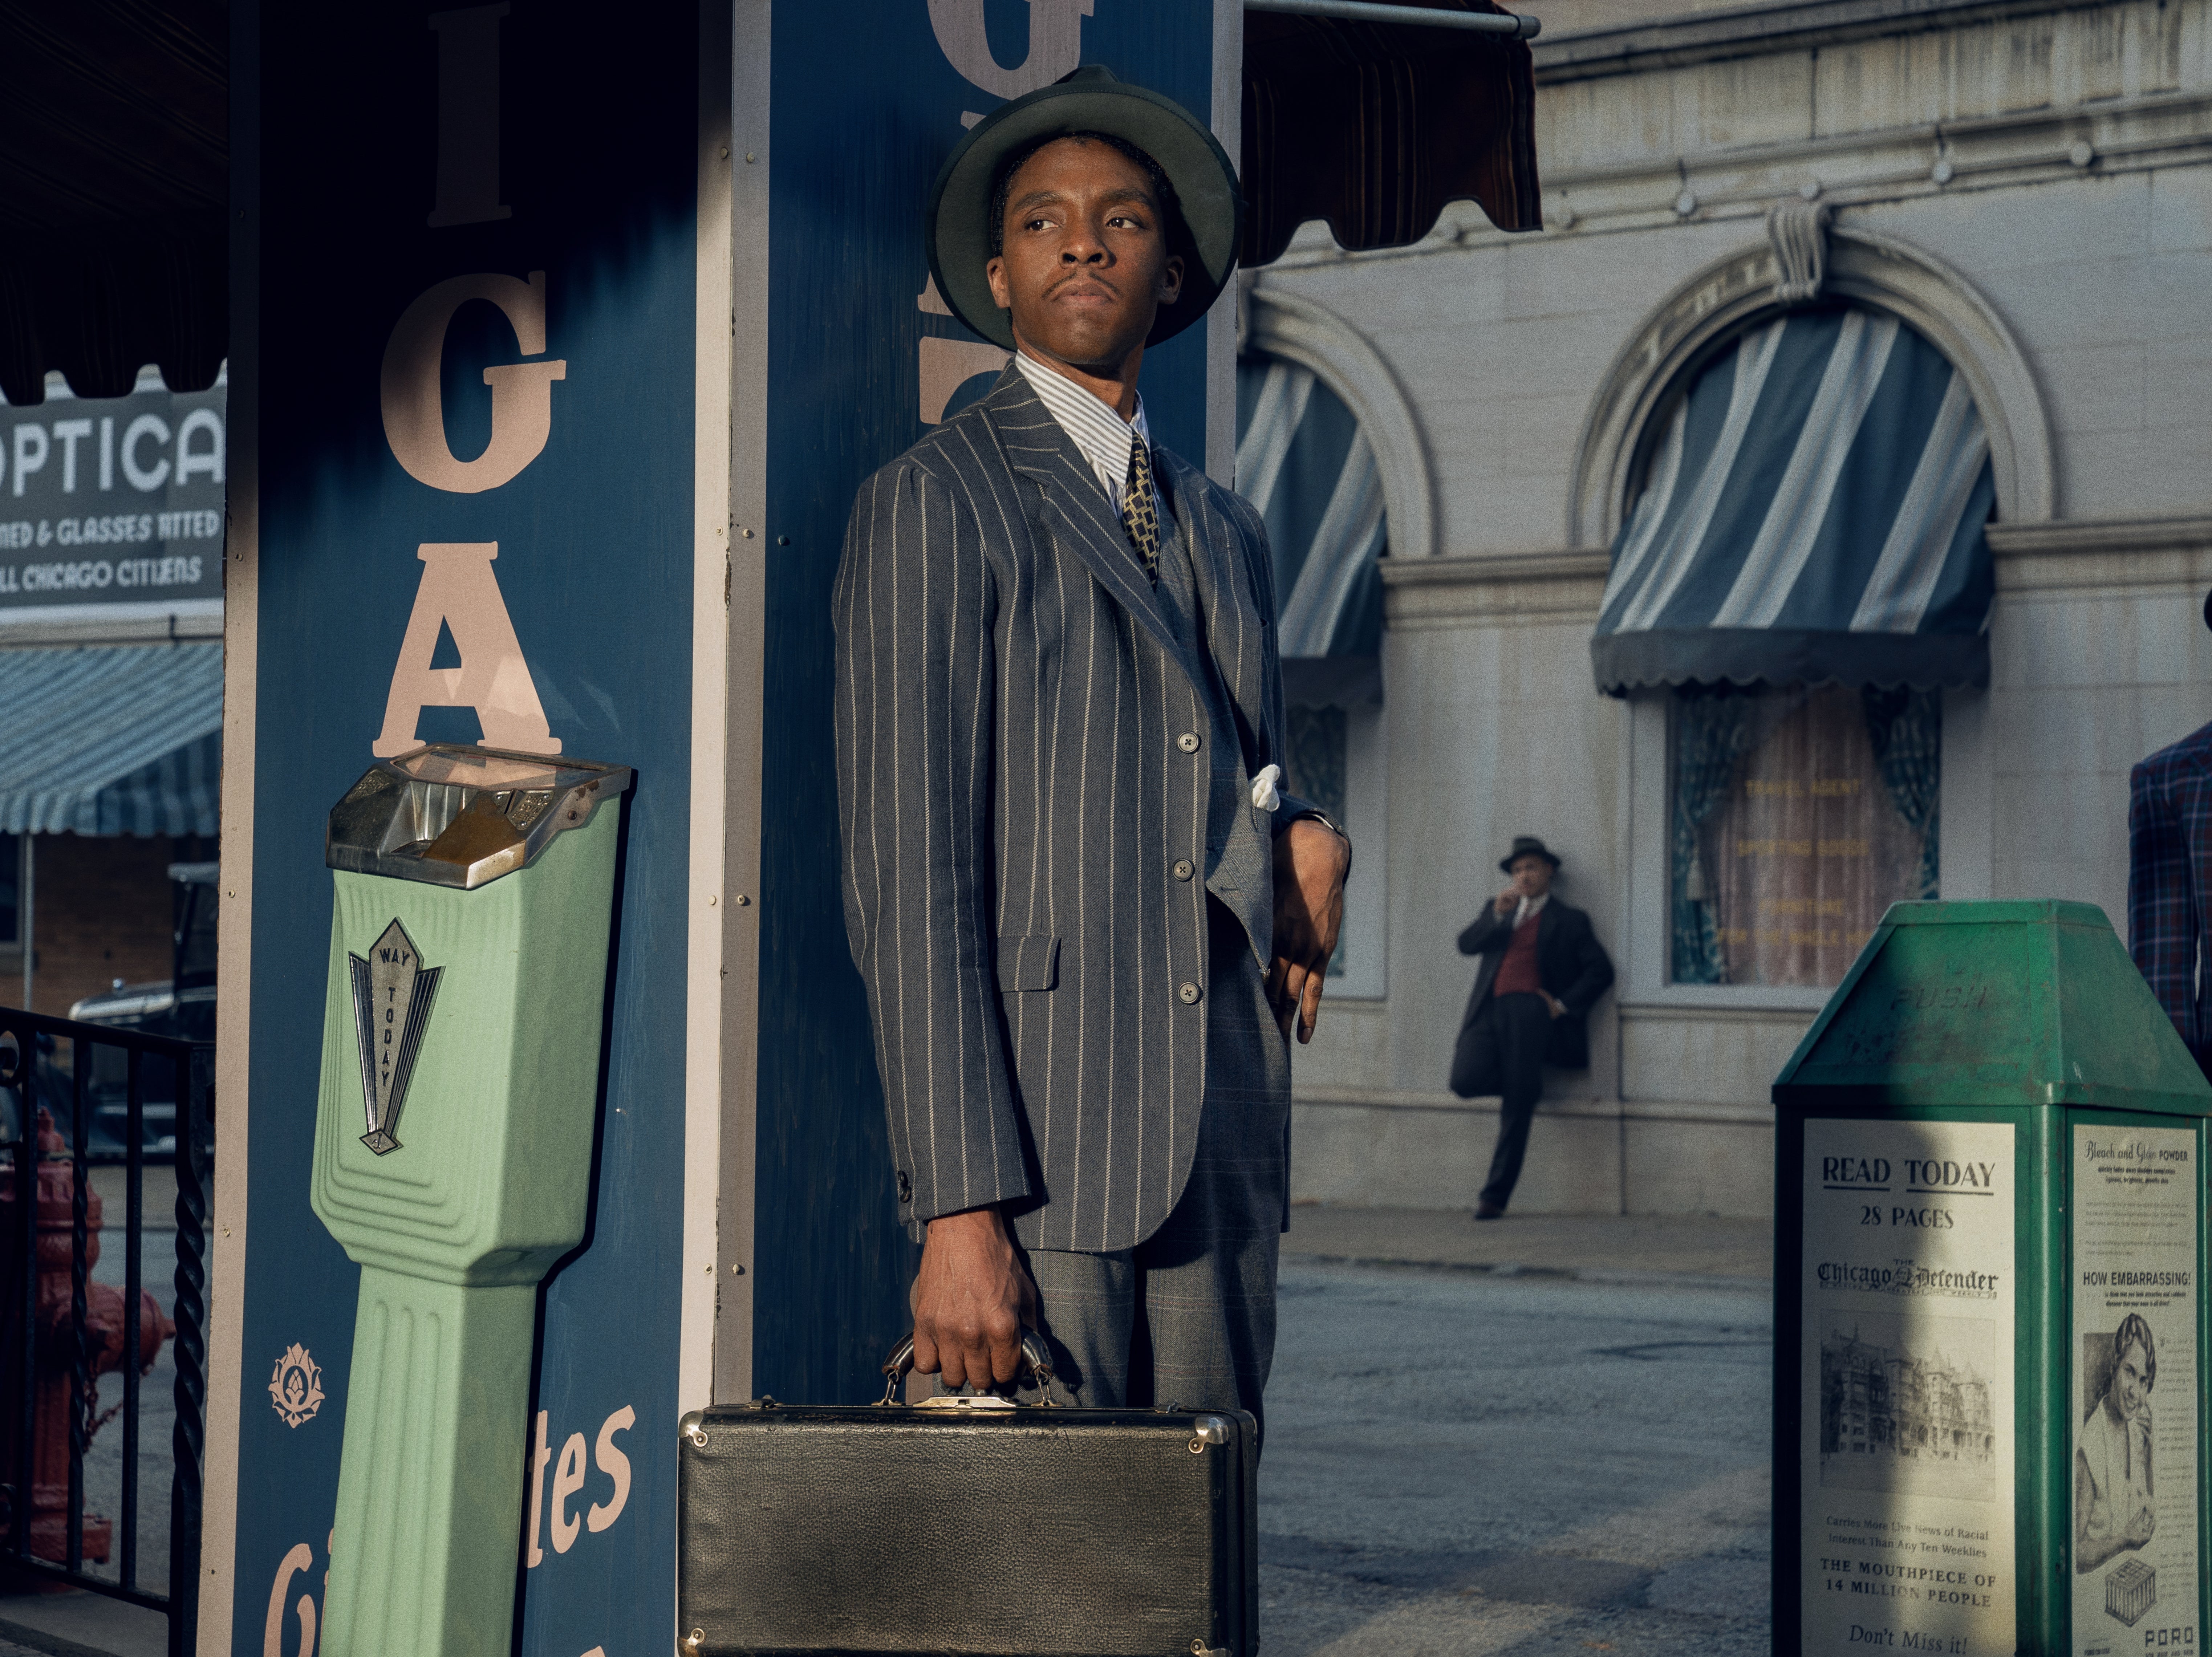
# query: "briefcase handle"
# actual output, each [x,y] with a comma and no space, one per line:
[1034,1354]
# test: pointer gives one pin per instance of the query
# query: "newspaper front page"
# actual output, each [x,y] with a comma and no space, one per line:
[2132,1485]
[1906,1474]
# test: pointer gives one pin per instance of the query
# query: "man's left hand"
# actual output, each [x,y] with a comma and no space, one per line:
[1559,1007]
[1311,860]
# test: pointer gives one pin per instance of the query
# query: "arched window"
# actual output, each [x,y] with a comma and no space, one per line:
[1803,570]
[1304,463]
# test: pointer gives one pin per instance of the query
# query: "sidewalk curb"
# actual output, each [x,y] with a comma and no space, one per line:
[54,1645]
[1618,1277]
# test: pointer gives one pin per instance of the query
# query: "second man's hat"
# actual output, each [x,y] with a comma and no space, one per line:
[1527,846]
[1090,100]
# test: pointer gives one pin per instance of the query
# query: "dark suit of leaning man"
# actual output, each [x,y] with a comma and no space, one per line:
[1086,916]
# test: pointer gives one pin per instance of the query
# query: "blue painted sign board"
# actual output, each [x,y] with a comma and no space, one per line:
[472,370]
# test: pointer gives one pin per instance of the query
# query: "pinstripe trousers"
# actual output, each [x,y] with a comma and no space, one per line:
[1187,1317]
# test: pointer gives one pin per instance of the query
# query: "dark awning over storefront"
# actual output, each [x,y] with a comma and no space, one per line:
[1813,511]
[114,134]
[122,739]
[1374,126]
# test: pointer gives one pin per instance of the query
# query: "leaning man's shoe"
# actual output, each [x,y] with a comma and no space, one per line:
[1489,1212]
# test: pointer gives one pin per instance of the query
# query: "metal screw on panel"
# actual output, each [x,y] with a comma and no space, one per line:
[744,901]
[783,540]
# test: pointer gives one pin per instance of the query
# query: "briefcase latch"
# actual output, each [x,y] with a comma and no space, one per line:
[1200,1648]
[690,1643]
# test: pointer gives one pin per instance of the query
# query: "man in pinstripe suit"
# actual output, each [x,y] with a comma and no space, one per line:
[1084,914]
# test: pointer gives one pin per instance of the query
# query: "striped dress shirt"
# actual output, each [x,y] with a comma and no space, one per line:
[1026,776]
[1104,437]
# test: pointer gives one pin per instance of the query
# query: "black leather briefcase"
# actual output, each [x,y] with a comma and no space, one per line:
[967,1525]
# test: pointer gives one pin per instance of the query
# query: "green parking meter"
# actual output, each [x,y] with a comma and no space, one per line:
[473,894]
[1989,1426]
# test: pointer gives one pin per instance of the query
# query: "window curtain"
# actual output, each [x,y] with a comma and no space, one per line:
[1906,729]
[1712,733]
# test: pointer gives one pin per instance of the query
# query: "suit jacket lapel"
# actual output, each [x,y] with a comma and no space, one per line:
[1230,606]
[1076,508]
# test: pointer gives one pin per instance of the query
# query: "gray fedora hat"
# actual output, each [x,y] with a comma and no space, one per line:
[1090,100]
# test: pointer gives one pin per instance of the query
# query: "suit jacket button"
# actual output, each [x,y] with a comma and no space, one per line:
[1182,869]
[1187,742]
[1189,995]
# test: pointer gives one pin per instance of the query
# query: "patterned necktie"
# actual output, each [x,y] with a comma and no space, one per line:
[1140,512]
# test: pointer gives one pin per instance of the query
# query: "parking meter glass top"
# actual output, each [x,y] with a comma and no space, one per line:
[453,816]
[485,768]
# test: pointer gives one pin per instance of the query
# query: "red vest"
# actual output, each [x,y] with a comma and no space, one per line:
[1517,974]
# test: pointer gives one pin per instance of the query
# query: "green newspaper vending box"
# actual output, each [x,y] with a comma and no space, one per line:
[1988,1423]
[461,1027]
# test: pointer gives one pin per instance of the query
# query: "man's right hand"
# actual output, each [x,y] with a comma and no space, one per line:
[971,1300]
[1508,901]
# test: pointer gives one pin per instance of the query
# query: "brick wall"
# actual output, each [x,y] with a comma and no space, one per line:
[102,913]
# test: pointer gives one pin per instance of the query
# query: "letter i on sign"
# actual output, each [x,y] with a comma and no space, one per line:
[468,116]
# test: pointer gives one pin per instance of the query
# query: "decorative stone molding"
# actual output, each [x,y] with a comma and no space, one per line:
[1798,231]
[1759,30]
[1746,289]
[1491,590]
[2108,554]
[1293,327]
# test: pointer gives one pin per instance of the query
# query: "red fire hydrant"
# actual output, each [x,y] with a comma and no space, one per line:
[56,1385]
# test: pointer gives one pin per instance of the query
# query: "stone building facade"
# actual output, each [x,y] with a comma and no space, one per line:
[2023,186]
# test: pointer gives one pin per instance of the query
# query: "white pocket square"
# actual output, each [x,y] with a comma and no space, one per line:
[1263,788]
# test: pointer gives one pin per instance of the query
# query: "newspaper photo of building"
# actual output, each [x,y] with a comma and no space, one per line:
[1907,1410]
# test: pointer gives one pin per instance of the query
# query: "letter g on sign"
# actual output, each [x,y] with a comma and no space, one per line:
[521,392]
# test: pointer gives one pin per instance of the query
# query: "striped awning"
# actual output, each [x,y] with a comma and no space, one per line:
[112,739]
[1813,511]
[1305,465]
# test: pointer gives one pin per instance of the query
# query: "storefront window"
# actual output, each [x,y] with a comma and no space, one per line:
[1798,816]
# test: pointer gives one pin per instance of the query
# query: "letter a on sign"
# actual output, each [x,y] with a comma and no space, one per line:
[460,590]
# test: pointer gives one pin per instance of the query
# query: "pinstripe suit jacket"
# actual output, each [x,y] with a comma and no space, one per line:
[1014,800]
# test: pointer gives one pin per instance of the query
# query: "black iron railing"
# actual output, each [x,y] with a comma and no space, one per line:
[59,1330]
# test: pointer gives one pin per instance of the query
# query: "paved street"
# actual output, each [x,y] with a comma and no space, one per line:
[1468,1464]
